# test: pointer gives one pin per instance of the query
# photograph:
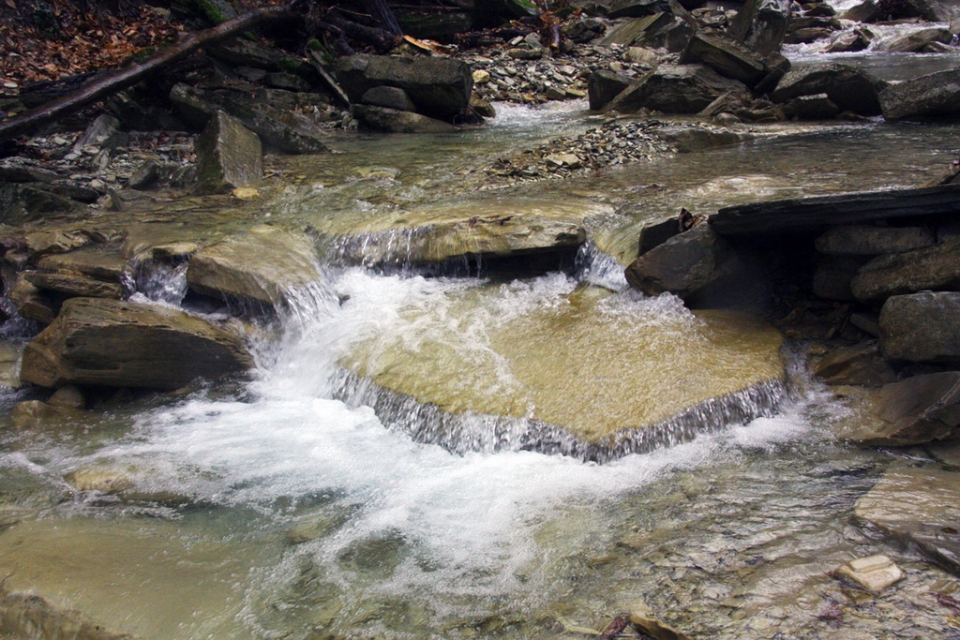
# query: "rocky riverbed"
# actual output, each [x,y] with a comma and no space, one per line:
[136,262]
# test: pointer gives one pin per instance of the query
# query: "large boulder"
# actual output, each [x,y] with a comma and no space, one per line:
[603,86]
[919,506]
[919,40]
[933,95]
[197,106]
[762,25]
[685,265]
[922,327]
[936,267]
[125,344]
[228,155]
[921,409]
[850,88]
[439,86]
[263,266]
[726,56]
[677,89]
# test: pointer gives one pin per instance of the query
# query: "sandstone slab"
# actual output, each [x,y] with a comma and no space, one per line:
[440,87]
[677,89]
[124,344]
[850,88]
[684,265]
[264,266]
[868,240]
[873,573]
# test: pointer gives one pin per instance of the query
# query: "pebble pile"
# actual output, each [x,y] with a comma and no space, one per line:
[500,76]
[613,143]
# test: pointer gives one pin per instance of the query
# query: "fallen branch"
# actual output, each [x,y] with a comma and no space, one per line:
[134,72]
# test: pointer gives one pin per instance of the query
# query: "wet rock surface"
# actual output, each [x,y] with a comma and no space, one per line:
[125,344]
[263,266]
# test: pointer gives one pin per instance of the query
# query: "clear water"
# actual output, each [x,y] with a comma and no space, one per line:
[271,509]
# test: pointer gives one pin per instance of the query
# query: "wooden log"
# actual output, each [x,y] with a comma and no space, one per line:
[788,216]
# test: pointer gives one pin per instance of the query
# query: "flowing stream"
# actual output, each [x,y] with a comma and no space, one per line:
[303,503]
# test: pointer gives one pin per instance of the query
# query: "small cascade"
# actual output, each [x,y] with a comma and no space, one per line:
[599,269]
[428,424]
[160,281]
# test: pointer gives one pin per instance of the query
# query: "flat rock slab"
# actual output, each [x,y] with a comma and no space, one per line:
[583,363]
[264,265]
[477,237]
[917,410]
[124,344]
[918,506]
[787,216]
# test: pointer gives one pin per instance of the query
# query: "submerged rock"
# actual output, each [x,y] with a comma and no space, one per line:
[264,265]
[919,506]
[476,238]
[125,344]
[27,615]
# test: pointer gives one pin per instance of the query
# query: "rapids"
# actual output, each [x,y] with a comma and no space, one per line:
[292,505]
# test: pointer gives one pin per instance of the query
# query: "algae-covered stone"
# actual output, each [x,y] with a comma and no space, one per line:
[228,155]
[124,344]
[263,265]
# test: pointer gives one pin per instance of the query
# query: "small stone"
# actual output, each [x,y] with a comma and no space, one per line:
[874,573]
[246,193]
[481,77]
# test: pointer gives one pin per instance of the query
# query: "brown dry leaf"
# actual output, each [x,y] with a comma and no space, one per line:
[11,4]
